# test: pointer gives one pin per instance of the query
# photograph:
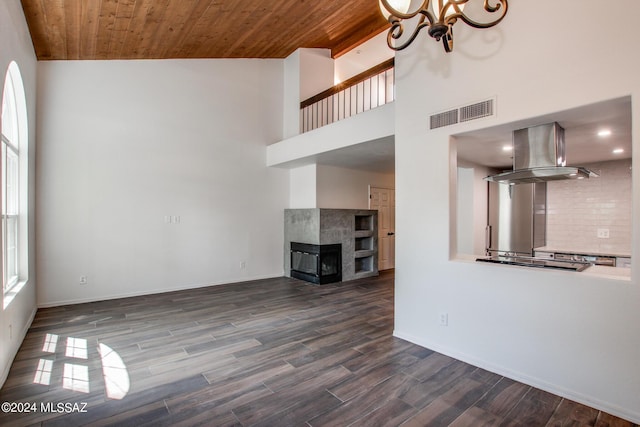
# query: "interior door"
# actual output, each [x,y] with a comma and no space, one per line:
[384,201]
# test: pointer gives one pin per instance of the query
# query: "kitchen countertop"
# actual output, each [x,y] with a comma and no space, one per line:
[616,273]
[583,251]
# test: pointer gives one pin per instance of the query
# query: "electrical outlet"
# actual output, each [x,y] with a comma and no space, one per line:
[83,280]
[243,265]
[603,233]
[444,319]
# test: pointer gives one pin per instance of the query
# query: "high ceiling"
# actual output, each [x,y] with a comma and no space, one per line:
[158,29]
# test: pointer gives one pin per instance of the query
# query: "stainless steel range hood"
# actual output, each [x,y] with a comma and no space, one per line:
[539,156]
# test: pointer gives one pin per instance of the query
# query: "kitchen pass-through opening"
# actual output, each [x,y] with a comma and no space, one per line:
[590,219]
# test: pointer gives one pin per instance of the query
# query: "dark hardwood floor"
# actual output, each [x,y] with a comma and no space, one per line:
[276,352]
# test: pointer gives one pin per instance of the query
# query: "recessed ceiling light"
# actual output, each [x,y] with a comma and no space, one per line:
[507,148]
[618,151]
[604,133]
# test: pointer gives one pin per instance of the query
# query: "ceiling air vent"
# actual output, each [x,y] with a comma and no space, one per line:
[463,114]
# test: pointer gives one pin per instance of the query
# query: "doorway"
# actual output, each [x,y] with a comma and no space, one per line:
[384,201]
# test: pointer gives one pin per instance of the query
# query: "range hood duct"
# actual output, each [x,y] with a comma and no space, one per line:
[539,156]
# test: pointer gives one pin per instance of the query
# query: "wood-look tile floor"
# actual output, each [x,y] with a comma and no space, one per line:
[277,352]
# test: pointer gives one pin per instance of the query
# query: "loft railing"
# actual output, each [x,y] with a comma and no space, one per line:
[367,90]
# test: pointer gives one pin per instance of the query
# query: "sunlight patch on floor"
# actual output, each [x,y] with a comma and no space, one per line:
[116,377]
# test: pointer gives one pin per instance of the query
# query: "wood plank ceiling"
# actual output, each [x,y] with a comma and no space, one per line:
[155,29]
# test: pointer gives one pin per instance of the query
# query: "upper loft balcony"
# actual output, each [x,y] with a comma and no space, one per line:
[370,89]
[357,111]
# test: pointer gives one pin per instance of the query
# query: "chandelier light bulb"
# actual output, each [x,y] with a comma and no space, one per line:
[437,6]
[399,5]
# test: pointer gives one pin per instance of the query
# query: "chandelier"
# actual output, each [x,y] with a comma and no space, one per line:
[436,15]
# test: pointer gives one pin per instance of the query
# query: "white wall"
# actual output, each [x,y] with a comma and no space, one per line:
[303,187]
[369,54]
[331,187]
[341,188]
[128,145]
[291,95]
[565,332]
[466,214]
[307,72]
[316,71]
[471,209]
[15,45]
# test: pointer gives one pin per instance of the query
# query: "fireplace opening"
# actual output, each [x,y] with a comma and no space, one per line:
[319,264]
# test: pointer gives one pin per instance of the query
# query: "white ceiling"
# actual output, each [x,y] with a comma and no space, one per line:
[373,156]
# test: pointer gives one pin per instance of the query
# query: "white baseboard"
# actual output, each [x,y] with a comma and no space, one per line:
[630,415]
[153,291]
[23,334]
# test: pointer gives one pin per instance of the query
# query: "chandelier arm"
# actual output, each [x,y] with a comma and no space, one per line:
[395,35]
[502,6]
[490,8]
[447,41]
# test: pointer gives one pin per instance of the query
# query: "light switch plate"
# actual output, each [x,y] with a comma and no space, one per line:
[444,319]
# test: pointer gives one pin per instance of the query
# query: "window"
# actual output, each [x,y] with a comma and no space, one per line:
[13,162]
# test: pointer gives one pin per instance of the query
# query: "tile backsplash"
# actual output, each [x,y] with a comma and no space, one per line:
[579,210]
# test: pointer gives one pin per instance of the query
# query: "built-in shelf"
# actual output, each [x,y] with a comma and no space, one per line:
[363,254]
[364,266]
[364,223]
[364,245]
[362,233]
